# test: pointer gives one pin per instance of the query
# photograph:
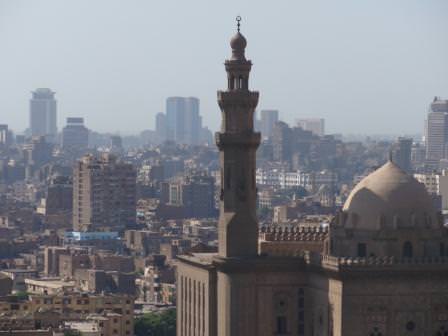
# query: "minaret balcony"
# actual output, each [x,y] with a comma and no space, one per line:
[237,98]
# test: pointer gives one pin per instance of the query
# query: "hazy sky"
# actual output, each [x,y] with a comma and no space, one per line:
[369,66]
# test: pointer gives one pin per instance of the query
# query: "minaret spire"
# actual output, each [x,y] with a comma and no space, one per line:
[238,20]
[238,143]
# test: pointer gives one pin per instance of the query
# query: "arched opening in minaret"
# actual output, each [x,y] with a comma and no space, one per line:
[231,82]
[241,83]
[235,83]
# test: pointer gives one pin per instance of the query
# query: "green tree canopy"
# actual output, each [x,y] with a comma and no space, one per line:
[156,324]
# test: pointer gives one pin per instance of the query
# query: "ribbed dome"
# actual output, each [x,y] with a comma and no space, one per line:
[389,198]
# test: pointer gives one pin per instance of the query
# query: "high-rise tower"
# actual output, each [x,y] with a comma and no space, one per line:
[103,194]
[437,132]
[183,122]
[268,120]
[237,143]
[43,114]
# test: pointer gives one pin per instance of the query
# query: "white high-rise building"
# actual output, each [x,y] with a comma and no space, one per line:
[436,133]
[183,122]
[268,120]
[43,118]
[315,125]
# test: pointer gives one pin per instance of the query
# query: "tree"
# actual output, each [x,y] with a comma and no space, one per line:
[72,333]
[156,324]
[22,295]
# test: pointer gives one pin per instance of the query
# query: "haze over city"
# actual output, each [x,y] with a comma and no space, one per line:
[202,168]
[364,67]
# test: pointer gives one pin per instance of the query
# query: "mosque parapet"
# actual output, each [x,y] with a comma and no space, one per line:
[293,234]
[394,263]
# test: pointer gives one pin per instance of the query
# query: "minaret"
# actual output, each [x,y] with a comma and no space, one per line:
[237,143]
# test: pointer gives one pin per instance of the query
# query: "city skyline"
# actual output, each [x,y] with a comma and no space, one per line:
[392,64]
[275,224]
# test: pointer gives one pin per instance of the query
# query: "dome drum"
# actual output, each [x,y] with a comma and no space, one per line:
[388,213]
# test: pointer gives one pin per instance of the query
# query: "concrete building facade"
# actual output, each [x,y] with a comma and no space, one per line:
[315,125]
[104,194]
[75,135]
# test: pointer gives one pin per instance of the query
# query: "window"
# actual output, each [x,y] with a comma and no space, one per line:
[442,249]
[281,325]
[362,250]
[443,331]
[410,326]
[407,250]
[375,332]
[301,312]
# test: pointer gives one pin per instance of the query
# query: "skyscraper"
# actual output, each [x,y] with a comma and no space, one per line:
[183,122]
[268,120]
[437,131]
[315,125]
[4,135]
[104,194]
[43,118]
[401,153]
[161,130]
[282,145]
[75,135]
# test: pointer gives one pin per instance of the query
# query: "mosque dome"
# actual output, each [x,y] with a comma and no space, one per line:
[389,198]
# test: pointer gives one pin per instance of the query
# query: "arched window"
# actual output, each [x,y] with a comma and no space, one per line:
[407,250]
[281,311]
[281,325]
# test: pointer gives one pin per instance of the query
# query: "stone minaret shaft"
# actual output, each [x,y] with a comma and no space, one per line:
[238,143]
